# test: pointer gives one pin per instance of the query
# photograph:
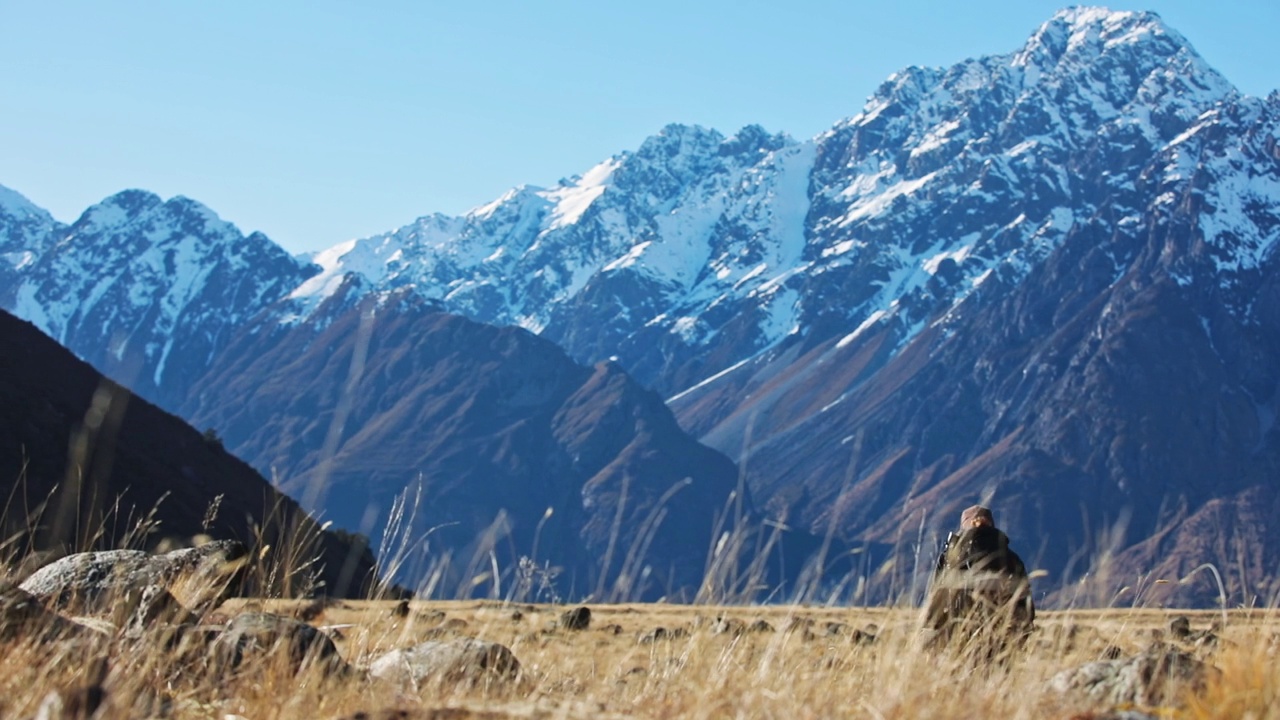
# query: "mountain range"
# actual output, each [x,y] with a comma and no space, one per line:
[1044,280]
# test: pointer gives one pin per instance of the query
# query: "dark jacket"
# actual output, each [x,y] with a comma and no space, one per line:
[980,549]
[976,572]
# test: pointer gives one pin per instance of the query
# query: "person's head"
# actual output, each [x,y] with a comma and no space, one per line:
[976,516]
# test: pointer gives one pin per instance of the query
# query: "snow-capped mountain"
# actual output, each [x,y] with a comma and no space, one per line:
[1116,397]
[652,243]
[698,251]
[966,288]
[25,232]
[145,290]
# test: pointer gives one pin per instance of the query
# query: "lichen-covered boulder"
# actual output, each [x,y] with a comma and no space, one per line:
[267,638]
[451,661]
[99,581]
[1157,676]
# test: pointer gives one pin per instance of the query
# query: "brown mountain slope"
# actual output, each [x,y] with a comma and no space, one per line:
[109,468]
[516,450]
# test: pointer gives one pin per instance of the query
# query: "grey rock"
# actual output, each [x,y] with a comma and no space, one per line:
[454,625]
[1154,677]
[460,660]
[99,581]
[578,618]
[265,637]
[33,561]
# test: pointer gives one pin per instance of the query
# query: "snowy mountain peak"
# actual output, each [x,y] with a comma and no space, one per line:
[906,207]
[15,206]
[25,231]
[136,276]
[572,200]
[514,196]
[164,220]
[1083,32]
[676,138]
[754,139]
[1124,54]
[1075,28]
[117,210]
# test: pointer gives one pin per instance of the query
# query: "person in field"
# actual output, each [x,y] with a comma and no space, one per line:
[980,587]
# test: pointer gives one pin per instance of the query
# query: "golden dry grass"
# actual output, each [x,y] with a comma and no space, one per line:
[796,671]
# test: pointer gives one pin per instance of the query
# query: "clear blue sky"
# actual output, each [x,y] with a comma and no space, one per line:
[319,121]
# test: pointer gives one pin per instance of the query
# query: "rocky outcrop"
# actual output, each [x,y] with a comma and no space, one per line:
[578,618]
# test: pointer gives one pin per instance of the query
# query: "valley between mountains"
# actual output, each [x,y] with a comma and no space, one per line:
[1045,280]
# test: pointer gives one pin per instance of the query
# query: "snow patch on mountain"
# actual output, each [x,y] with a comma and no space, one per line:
[25,230]
[572,201]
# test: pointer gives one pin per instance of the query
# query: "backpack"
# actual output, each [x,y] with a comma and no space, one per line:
[979,580]
[981,549]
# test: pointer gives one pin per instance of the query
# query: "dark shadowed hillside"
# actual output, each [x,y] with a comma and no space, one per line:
[84,463]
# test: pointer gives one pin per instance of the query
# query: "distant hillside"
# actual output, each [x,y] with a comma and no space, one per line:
[86,464]
[517,450]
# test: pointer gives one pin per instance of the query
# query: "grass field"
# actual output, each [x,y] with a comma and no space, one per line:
[810,662]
